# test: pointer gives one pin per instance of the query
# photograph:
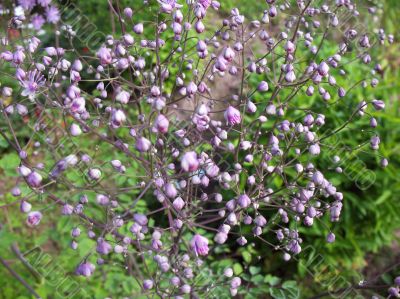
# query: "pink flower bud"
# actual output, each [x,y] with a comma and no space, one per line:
[85,269]
[138,28]
[244,201]
[189,162]
[170,190]
[191,88]
[25,206]
[323,69]
[142,144]
[199,245]
[161,124]
[199,26]
[232,116]
[34,179]
[263,86]
[128,12]
[229,54]
[104,54]
[34,218]
[75,130]
[178,203]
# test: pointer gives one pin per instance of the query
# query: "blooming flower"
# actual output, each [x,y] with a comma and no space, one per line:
[31,83]
[52,14]
[27,4]
[37,21]
[232,116]
[199,245]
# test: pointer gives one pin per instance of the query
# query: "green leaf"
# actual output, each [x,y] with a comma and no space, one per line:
[272,280]
[246,256]
[254,270]
[237,268]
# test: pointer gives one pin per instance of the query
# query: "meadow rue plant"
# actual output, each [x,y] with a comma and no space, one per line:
[136,141]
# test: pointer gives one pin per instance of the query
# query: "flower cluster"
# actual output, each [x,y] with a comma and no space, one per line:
[156,163]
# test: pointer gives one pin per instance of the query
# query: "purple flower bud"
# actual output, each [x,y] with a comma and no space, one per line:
[323,69]
[24,171]
[34,179]
[232,116]
[189,162]
[221,237]
[397,281]
[75,130]
[20,74]
[308,120]
[318,178]
[330,238]
[378,104]
[33,218]
[170,190]
[7,91]
[290,47]
[75,232]
[308,221]
[103,247]
[394,292]
[384,162]
[161,124]
[310,90]
[25,207]
[290,76]
[314,149]
[67,209]
[138,28]
[148,284]
[186,289]
[18,56]
[140,219]
[229,54]
[142,144]
[102,199]
[94,173]
[375,140]
[236,282]
[191,88]
[335,211]
[85,269]
[128,12]
[178,203]
[263,86]
[118,117]
[104,54]
[199,26]
[16,191]
[244,201]
[241,241]
[199,245]
[7,56]
[311,212]
[260,221]
[341,92]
